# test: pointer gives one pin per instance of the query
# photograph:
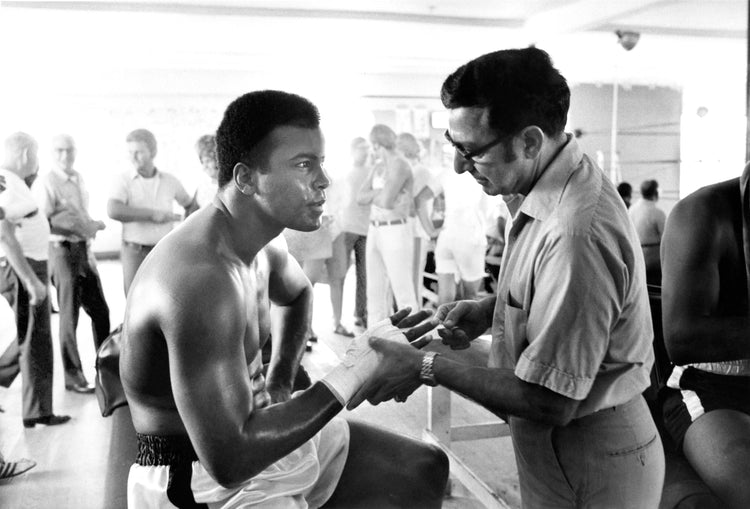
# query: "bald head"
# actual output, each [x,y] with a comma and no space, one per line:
[63,152]
[20,154]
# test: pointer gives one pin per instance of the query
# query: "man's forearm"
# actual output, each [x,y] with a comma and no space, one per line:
[128,214]
[289,326]
[269,434]
[501,392]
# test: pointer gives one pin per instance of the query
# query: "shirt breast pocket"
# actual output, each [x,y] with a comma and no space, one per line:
[516,320]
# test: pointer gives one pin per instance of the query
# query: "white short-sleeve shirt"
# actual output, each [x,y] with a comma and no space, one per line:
[158,192]
[32,228]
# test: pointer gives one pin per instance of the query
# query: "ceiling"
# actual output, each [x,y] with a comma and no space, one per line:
[702,18]
[356,39]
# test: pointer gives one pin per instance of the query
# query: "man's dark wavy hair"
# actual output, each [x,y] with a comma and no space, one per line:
[520,87]
[250,118]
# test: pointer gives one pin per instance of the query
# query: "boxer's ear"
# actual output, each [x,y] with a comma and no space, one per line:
[245,178]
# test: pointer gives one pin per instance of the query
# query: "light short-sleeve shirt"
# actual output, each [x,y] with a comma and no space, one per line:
[57,191]
[404,202]
[158,192]
[354,218]
[423,178]
[31,226]
[572,312]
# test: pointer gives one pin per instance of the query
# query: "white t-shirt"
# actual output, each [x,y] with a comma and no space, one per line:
[468,210]
[158,192]
[32,228]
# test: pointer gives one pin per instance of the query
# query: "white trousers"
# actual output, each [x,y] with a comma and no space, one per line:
[390,261]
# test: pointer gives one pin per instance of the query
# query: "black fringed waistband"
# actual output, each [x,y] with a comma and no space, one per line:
[164,450]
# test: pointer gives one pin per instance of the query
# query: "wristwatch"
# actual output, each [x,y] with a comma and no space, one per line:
[427,373]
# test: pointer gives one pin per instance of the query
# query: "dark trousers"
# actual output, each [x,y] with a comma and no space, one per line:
[132,256]
[359,244]
[78,285]
[31,352]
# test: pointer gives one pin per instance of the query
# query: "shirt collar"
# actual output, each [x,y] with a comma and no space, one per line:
[546,193]
[65,176]
[134,175]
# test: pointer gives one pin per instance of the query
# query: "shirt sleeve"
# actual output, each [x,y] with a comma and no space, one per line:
[579,284]
[16,200]
[119,189]
[44,195]
[180,194]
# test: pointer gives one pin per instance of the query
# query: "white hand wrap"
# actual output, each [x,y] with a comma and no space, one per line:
[360,361]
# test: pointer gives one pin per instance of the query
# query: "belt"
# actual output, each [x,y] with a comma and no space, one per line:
[136,245]
[161,450]
[388,223]
[651,244]
[67,243]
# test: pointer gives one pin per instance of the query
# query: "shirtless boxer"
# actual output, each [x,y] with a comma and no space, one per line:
[210,429]
[705,288]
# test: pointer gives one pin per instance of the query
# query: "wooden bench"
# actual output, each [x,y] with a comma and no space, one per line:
[442,432]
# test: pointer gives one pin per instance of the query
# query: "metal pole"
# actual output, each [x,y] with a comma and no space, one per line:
[613,170]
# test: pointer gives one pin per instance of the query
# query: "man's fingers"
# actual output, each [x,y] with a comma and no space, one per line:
[358,397]
[412,320]
[420,330]
[399,315]
[455,338]
[443,311]
[421,342]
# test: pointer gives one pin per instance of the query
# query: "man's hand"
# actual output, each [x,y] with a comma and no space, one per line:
[361,361]
[278,393]
[164,216]
[464,321]
[415,325]
[397,375]
[37,291]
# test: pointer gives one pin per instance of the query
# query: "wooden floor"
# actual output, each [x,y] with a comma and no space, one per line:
[72,459]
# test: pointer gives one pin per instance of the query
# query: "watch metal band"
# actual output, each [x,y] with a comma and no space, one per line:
[427,373]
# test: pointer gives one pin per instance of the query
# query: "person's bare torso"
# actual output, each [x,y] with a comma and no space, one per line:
[727,213]
[145,369]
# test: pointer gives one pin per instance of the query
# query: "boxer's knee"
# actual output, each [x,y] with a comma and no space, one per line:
[431,472]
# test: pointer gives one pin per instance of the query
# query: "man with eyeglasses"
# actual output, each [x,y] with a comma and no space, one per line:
[571,327]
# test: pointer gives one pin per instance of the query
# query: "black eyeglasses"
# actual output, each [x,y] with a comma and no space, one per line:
[469,155]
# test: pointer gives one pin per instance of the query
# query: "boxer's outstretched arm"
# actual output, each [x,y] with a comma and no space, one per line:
[204,322]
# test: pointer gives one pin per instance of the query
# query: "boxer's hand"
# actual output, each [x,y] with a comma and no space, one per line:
[360,361]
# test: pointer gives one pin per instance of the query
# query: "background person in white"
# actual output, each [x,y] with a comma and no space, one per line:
[649,224]
[390,238]
[355,220]
[24,234]
[424,192]
[142,200]
[462,242]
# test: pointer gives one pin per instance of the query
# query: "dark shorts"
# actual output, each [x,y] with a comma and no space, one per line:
[701,392]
